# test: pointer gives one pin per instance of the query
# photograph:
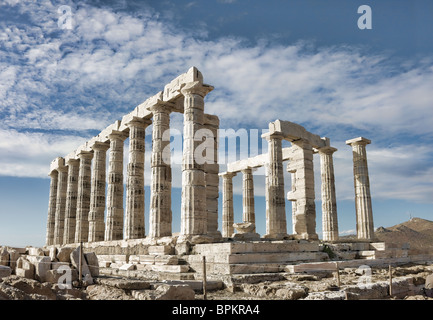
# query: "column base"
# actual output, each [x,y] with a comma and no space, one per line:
[276,236]
[198,238]
[306,236]
[248,236]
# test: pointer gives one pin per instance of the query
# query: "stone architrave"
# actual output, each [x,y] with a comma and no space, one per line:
[364,212]
[160,216]
[52,208]
[60,203]
[114,221]
[276,226]
[329,202]
[83,199]
[134,220]
[227,204]
[193,207]
[97,194]
[301,163]
[248,197]
[71,201]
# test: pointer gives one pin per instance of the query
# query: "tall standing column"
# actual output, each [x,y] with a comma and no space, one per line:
[134,221]
[364,212]
[51,220]
[301,163]
[114,222]
[329,202]
[83,199]
[227,204]
[160,216]
[248,197]
[276,226]
[60,203]
[211,169]
[193,208]
[97,194]
[71,201]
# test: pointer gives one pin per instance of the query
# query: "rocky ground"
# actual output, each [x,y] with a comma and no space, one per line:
[409,282]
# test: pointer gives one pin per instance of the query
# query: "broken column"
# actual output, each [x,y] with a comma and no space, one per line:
[71,201]
[248,197]
[227,204]
[301,164]
[364,212]
[83,198]
[52,208]
[329,202]
[97,195]
[114,221]
[276,227]
[193,207]
[160,216]
[134,221]
[60,202]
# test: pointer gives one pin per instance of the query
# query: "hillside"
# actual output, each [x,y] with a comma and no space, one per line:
[417,232]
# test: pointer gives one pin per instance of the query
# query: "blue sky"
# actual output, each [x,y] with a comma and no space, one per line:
[301,61]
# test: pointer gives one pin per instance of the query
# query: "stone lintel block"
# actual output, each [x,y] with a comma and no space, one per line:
[172,90]
[359,140]
[293,131]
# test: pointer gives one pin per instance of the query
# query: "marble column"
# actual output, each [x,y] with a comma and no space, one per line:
[60,203]
[301,163]
[83,199]
[227,204]
[134,220]
[51,220]
[364,212]
[160,216]
[211,169]
[114,221]
[248,197]
[329,202]
[97,194]
[276,225]
[193,207]
[71,201]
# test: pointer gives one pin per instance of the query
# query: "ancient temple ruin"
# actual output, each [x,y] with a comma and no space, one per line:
[86,202]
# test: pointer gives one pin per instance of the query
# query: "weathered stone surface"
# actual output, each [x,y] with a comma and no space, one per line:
[13,257]
[75,260]
[127,267]
[30,287]
[31,251]
[286,291]
[102,292]
[5,271]
[53,253]
[4,257]
[92,262]
[42,265]
[125,284]
[64,254]
[25,273]
[165,292]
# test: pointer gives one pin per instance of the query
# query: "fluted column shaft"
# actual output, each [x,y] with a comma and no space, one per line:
[51,220]
[276,226]
[329,202]
[160,216]
[134,221]
[83,199]
[248,197]
[60,204]
[97,194]
[227,204]
[71,201]
[114,222]
[193,207]
[364,212]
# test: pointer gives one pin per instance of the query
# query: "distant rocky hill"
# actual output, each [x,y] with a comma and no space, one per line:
[417,232]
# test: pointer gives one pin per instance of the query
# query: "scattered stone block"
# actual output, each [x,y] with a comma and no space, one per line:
[92,262]
[64,254]
[13,257]
[42,265]
[25,273]
[75,260]
[159,250]
[5,271]
[165,292]
[53,253]
[127,267]
[4,257]
[31,251]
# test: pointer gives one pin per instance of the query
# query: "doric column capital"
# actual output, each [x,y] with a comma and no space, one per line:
[72,162]
[139,122]
[247,170]
[117,135]
[358,141]
[227,175]
[274,135]
[85,154]
[196,87]
[327,150]
[97,145]
[161,106]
